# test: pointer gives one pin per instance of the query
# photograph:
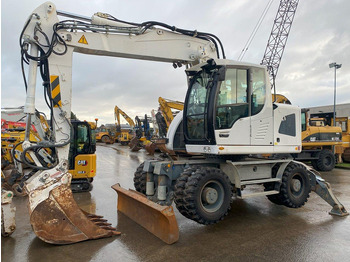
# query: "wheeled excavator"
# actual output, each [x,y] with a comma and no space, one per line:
[321,144]
[228,115]
[344,123]
[124,136]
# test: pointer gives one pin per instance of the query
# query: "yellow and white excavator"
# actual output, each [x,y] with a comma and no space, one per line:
[124,136]
[228,113]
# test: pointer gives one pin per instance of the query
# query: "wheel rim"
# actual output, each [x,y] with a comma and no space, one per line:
[212,196]
[297,185]
[327,161]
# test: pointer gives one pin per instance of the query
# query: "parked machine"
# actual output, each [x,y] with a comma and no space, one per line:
[124,135]
[8,212]
[165,108]
[228,114]
[321,143]
[82,157]
[143,133]
[344,124]
[104,134]
[166,112]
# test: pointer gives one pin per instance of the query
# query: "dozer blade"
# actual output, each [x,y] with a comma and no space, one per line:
[157,219]
[59,220]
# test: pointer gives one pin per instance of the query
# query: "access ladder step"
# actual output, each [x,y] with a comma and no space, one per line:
[260,181]
[265,193]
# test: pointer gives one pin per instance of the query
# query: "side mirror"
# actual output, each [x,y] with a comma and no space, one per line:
[222,73]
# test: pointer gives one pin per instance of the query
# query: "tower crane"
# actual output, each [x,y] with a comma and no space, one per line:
[278,38]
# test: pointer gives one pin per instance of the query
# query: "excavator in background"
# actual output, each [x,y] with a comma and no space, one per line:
[228,115]
[124,135]
[82,157]
[143,133]
[165,106]
[344,124]
[163,118]
[321,144]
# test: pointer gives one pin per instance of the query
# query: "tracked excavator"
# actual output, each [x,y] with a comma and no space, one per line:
[163,119]
[143,133]
[228,115]
[165,106]
[124,136]
[82,157]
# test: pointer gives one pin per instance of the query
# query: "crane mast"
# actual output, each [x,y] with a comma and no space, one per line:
[278,37]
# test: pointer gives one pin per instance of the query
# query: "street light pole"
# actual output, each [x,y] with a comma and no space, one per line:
[336,66]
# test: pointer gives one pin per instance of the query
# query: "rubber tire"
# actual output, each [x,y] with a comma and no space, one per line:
[346,155]
[104,139]
[314,164]
[188,199]
[286,196]
[326,160]
[179,192]
[140,178]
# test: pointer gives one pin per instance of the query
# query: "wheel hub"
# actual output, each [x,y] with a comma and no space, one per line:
[210,195]
[296,185]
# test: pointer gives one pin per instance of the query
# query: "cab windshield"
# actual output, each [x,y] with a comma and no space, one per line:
[197,105]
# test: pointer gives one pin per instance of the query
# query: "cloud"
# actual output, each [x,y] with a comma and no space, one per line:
[317,38]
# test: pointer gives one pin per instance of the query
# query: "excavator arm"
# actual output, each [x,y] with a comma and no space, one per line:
[48,44]
[118,112]
[165,107]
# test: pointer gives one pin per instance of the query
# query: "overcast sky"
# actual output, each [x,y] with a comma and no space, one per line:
[320,35]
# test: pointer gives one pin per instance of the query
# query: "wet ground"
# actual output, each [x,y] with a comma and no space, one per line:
[255,229]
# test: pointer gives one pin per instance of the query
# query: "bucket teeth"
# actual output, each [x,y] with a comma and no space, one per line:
[102,224]
[93,216]
[109,228]
[98,220]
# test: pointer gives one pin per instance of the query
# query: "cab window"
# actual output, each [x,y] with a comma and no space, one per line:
[232,103]
[303,121]
[82,138]
[258,90]
[196,106]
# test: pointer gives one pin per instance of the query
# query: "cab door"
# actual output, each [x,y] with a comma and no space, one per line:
[232,111]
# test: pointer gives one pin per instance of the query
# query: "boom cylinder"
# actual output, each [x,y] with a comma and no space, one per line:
[29,106]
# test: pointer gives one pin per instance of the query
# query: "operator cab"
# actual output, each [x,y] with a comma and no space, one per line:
[228,110]
[83,141]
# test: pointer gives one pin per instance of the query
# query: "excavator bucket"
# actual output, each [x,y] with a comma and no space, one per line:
[59,220]
[151,148]
[157,219]
[134,144]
